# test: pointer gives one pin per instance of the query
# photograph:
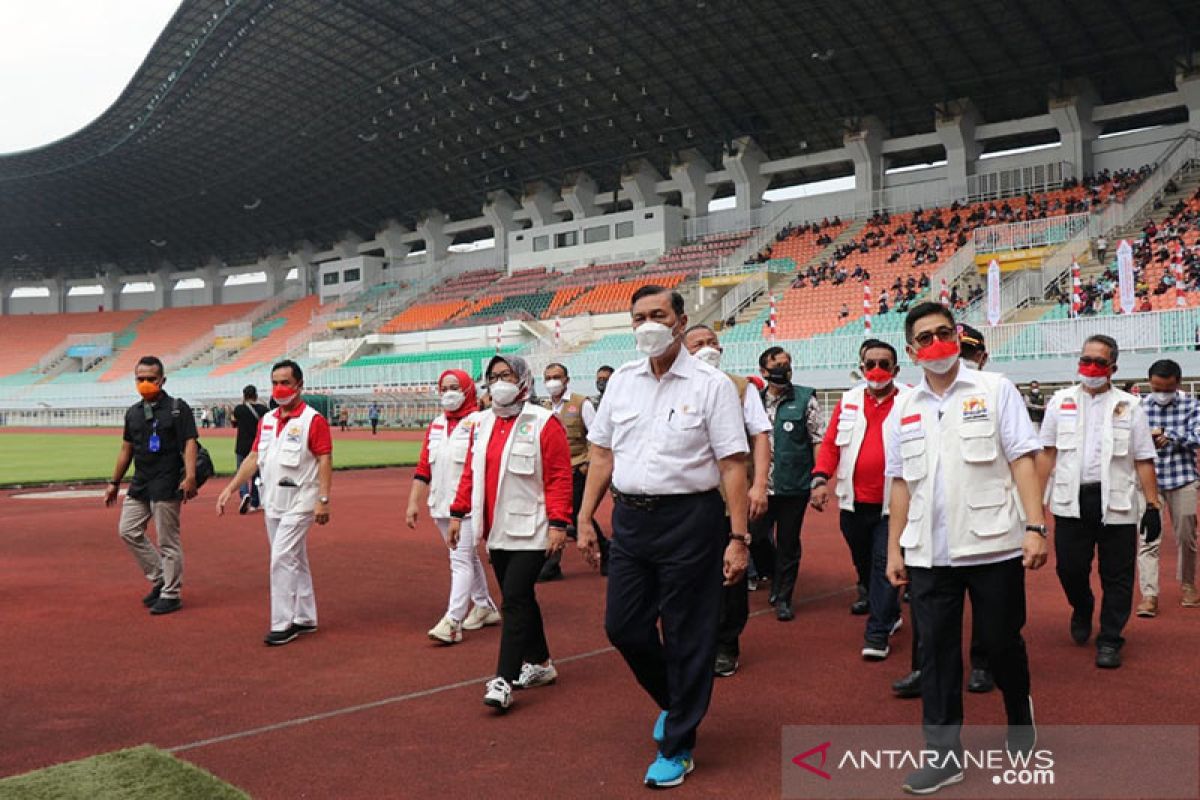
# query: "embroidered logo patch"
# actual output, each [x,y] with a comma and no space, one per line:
[1121,409]
[524,429]
[910,427]
[974,408]
[789,426]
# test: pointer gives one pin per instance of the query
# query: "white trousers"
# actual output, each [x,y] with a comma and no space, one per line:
[468,580]
[292,599]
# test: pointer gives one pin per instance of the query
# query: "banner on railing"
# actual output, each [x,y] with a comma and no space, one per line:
[1125,276]
[994,311]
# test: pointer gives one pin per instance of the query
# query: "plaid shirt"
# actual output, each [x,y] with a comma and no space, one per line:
[1180,421]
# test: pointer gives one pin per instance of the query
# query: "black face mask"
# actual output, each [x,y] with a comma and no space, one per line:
[780,376]
[601,385]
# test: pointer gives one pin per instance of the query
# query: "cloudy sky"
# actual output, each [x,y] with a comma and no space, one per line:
[63,62]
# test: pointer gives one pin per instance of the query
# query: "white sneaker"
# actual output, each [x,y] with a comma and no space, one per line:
[481,617]
[896,626]
[498,694]
[447,631]
[536,675]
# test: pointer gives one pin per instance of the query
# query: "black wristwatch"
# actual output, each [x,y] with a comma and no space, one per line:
[1040,530]
[744,538]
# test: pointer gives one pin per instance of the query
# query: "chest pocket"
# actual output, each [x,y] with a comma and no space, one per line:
[845,429]
[1121,435]
[913,453]
[289,451]
[978,441]
[1067,426]
[624,427]
[522,458]
[683,433]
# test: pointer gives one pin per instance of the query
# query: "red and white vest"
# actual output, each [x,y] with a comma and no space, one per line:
[519,520]
[283,455]
[447,458]
[851,431]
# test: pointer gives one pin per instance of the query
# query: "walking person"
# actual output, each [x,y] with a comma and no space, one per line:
[344,418]
[245,419]
[959,449]
[516,486]
[204,419]
[602,375]
[1098,449]
[373,416]
[667,434]
[1174,420]
[439,469]
[161,442]
[294,453]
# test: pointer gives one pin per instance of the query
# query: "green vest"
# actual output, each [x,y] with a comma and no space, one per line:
[793,456]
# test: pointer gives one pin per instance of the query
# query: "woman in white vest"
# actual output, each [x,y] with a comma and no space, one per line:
[1098,471]
[517,488]
[439,469]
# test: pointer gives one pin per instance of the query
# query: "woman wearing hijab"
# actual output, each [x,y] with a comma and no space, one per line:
[517,488]
[443,456]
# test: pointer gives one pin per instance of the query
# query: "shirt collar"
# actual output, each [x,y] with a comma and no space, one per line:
[965,376]
[299,409]
[683,366]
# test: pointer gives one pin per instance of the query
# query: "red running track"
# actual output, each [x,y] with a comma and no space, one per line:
[369,708]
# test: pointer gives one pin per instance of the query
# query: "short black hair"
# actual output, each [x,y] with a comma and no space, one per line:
[699,327]
[297,373]
[922,310]
[605,368]
[250,392]
[1166,368]
[652,289]
[768,354]
[563,367]
[871,344]
[1107,341]
[151,361]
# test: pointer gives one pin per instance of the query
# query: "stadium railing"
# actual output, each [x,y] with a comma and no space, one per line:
[1030,233]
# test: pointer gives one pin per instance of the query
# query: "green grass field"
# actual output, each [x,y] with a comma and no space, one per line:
[140,773]
[33,458]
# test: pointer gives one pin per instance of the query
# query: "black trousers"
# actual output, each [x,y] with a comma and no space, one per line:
[997,594]
[665,567]
[1075,540]
[858,529]
[522,635]
[979,659]
[775,542]
[735,612]
[578,482]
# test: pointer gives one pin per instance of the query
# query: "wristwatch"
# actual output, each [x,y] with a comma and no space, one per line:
[818,481]
[323,499]
[744,538]
[1040,530]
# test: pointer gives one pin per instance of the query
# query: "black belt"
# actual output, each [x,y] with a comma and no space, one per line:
[1089,487]
[651,502]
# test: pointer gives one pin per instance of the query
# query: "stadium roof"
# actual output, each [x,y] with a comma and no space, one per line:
[255,124]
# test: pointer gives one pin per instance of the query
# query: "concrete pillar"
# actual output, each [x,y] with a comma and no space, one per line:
[303,259]
[392,237]
[164,286]
[500,211]
[538,202]
[1072,115]
[275,267]
[6,287]
[864,141]
[744,163]
[639,180]
[955,125]
[432,229]
[1188,84]
[210,273]
[579,193]
[689,175]
[111,287]
[347,246]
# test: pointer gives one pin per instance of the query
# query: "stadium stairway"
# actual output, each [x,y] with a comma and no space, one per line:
[276,332]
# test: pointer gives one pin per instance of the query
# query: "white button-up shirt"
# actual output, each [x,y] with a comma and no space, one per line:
[1017,438]
[668,434]
[1090,405]
[754,414]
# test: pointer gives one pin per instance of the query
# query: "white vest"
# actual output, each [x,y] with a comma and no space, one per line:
[982,510]
[283,454]
[519,520]
[851,431]
[447,458]
[1121,501]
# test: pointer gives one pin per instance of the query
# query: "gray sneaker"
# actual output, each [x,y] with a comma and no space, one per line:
[928,780]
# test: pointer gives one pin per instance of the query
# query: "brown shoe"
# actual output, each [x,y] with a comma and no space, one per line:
[1148,607]
[1191,597]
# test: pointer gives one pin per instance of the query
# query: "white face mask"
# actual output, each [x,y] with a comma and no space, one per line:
[1163,398]
[504,397]
[941,366]
[452,399]
[879,386]
[1093,382]
[653,338]
[555,387]
[969,364]
[710,356]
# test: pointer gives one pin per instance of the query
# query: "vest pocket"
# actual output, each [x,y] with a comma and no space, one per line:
[1061,492]
[458,451]
[1121,441]
[986,511]
[978,442]
[522,518]
[913,452]
[1120,498]
[845,432]
[521,458]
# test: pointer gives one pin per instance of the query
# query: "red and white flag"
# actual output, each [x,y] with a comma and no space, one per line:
[557,331]
[499,335]
[867,307]
[945,294]
[772,320]
[1076,290]
[1177,268]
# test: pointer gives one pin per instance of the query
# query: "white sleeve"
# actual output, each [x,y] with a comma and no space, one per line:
[600,430]
[755,415]
[893,461]
[723,418]
[589,413]
[1141,442]
[1049,430]
[1016,429]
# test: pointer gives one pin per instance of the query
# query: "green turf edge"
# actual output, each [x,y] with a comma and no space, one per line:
[96,481]
[139,773]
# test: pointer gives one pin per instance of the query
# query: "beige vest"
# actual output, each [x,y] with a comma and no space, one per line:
[447,458]
[1121,501]
[571,416]
[519,518]
[851,431]
[283,454]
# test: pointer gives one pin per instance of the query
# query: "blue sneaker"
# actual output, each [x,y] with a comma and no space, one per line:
[667,772]
[660,727]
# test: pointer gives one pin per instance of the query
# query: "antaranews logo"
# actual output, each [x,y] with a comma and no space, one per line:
[1030,768]
[802,760]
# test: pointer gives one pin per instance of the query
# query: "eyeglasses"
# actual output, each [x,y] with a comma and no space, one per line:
[501,376]
[1087,361]
[945,334]
[882,363]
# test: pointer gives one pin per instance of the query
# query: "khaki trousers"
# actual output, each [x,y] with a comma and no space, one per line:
[165,562]
[1181,505]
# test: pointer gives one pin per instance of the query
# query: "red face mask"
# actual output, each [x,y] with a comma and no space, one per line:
[937,350]
[1094,371]
[878,375]
[284,395]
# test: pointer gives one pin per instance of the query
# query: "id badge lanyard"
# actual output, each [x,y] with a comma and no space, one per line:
[155,443]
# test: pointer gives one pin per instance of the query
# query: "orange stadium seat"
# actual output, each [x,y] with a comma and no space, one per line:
[27,340]
[274,344]
[169,330]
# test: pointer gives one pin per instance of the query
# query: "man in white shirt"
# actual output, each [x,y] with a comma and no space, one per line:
[1098,448]
[669,432]
[964,516]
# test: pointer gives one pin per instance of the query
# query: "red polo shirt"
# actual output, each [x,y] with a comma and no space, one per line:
[320,441]
[868,469]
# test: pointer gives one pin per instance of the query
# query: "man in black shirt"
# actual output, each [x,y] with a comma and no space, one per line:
[245,418]
[160,440]
[1035,401]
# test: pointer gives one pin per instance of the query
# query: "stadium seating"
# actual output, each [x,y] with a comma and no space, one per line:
[612,298]
[27,339]
[169,330]
[273,343]
[477,354]
[690,259]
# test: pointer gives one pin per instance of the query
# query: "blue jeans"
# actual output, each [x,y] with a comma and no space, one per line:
[884,599]
[250,488]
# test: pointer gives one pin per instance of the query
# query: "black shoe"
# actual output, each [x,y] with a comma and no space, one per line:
[1081,628]
[875,649]
[928,780]
[772,598]
[1022,734]
[152,598]
[860,606]
[783,611]
[1108,657]
[555,573]
[245,506]
[303,629]
[909,686]
[725,665]
[166,605]
[981,682]
[277,638]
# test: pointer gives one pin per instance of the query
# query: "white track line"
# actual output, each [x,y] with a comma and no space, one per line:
[400,698]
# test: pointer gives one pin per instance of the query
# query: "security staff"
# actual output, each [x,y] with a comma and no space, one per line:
[1035,401]
[960,452]
[576,413]
[1098,449]
[853,452]
[1174,420]
[667,434]
[602,375]
[160,440]
[245,419]
[795,418]
[702,342]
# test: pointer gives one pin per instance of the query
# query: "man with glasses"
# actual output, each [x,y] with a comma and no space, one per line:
[1098,449]
[853,451]
[960,449]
